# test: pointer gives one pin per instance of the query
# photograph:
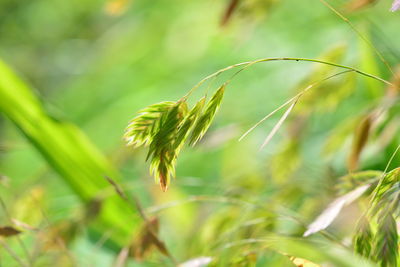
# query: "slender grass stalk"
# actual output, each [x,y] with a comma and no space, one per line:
[202,198]
[250,63]
[60,243]
[279,124]
[139,209]
[13,254]
[20,242]
[366,40]
[161,122]
[232,201]
[297,96]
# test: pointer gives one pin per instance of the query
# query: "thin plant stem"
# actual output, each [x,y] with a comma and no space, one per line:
[202,198]
[60,243]
[12,253]
[250,63]
[20,242]
[138,208]
[297,96]
[232,201]
[279,124]
[263,240]
[366,40]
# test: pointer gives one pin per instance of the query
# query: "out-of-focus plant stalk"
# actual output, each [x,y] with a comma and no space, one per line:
[70,153]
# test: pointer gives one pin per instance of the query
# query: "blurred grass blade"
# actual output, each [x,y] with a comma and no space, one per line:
[395,5]
[326,253]
[122,258]
[197,262]
[329,214]
[360,140]
[369,63]
[230,9]
[356,5]
[299,262]
[69,152]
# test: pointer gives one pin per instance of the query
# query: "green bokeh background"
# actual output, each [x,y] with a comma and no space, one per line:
[97,69]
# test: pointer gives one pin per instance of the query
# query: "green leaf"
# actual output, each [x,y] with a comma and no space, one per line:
[70,153]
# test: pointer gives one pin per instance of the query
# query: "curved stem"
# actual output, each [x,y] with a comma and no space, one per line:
[365,39]
[297,96]
[250,63]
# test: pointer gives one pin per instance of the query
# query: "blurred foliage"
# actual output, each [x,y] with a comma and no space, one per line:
[72,193]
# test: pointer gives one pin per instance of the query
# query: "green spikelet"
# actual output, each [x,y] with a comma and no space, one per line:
[363,238]
[142,128]
[188,123]
[165,127]
[204,122]
[162,150]
[385,190]
[174,129]
[385,249]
